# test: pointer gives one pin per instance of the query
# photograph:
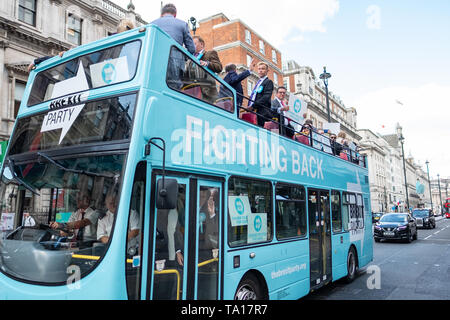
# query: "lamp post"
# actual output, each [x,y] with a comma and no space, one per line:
[401,139]
[325,76]
[193,22]
[440,194]
[429,184]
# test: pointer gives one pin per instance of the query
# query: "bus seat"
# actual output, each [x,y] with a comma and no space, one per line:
[343,155]
[249,117]
[302,139]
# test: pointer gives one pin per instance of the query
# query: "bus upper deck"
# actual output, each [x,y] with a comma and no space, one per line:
[92,135]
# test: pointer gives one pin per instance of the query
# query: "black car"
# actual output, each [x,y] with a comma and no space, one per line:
[424,218]
[396,226]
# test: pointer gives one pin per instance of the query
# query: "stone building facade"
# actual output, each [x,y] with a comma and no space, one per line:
[35,28]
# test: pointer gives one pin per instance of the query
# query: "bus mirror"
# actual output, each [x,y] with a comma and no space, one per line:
[167,194]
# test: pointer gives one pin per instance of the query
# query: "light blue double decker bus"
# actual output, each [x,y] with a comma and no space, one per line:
[129,175]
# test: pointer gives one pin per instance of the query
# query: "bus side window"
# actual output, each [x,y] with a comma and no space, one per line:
[134,235]
[290,211]
[336,213]
[249,211]
[188,77]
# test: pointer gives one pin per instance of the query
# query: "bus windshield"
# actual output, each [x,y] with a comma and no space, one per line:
[29,248]
[70,174]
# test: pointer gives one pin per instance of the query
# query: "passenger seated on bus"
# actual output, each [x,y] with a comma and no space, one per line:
[83,222]
[335,146]
[105,223]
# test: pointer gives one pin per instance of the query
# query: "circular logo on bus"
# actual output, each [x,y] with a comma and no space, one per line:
[109,73]
[297,106]
[258,223]
[239,206]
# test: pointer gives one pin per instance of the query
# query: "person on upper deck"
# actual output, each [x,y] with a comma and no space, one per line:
[261,97]
[234,79]
[208,59]
[176,28]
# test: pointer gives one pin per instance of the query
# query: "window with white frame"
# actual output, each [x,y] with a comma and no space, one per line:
[249,60]
[248,36]
[274,56]
[250,85]
[261,47]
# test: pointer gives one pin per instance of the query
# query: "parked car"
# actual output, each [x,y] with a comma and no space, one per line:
[395,226]
[447,215]
[376,216]
[424,218]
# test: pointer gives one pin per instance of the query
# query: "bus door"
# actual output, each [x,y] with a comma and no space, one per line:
[207,244]
[186,244]
[319,237]
[167,270]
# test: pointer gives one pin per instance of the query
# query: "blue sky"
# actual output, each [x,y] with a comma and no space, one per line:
[377,51]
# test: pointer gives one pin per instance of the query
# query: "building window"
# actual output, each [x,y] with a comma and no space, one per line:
[19,89]
[248,37]
[27,11]
[261,47]
[275,79]
[74,29]
[249,60]
[274,56]
[250,85]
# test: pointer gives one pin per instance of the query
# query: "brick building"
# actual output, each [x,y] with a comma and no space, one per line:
[237,43]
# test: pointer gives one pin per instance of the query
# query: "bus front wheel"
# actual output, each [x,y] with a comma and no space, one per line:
[249,289]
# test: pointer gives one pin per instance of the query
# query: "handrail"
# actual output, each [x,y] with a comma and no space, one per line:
[354,156]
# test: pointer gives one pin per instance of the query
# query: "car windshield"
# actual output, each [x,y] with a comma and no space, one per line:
[420,213]
[399,218]
[35,194]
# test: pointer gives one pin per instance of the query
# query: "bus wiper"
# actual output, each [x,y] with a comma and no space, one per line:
[88,173]
[20,181]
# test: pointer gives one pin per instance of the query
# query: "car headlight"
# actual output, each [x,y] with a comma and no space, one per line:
[401,228]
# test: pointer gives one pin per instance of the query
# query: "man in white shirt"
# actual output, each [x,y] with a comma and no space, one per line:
[82,222]
[105,224]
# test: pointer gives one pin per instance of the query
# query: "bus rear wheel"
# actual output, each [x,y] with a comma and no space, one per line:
[352,265]
[249,289]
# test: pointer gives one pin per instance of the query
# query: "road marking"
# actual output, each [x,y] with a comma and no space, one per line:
[437,232]
[427,237]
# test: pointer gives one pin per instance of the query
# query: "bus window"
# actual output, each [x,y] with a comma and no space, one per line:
[250,211]
[187,76]
[68,199]
[290,211]
[134,235]
[336,214]
[98,121]
[360,208]
[102,68]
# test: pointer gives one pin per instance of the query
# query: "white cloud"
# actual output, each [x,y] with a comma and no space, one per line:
[271,22]
[424,117]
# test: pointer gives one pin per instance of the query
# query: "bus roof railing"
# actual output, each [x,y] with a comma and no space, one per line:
[313,139]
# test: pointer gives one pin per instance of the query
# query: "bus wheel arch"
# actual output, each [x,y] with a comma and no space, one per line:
[352,263]
[252,286]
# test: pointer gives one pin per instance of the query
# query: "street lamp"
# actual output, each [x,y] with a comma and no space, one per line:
[325,76]
[193,22]
[401,139]
[440,194]
[429,184]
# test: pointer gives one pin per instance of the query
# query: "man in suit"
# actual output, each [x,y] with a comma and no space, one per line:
[176,28]
[209,59]
[279,107]
[179,31]
[234,79]
[261,97]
